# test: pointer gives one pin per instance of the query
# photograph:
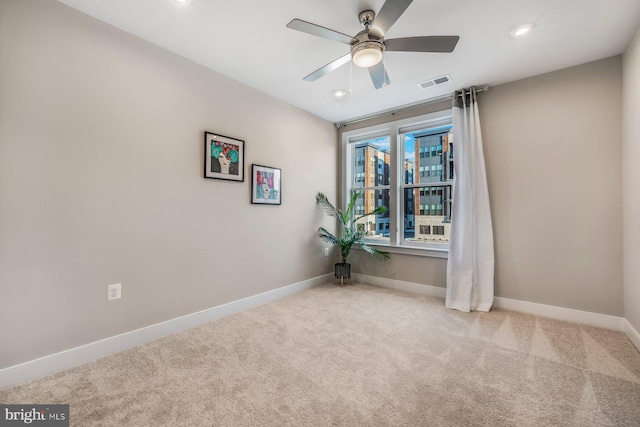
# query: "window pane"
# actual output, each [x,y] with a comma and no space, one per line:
[376,227]
[422,160]
[371,162]
[434,159]
[427,214]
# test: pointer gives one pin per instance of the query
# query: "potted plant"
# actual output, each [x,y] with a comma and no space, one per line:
[348,233]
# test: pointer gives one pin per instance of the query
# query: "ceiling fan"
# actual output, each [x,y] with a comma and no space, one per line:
[368,45]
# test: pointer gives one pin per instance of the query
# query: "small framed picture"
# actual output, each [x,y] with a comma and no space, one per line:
[266,185]
[223,157]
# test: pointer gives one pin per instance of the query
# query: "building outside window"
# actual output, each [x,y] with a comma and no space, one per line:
[410,172]
[425,229]
[376,187]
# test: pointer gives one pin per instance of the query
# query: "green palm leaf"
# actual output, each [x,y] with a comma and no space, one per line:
[373,251]
[347,217]
[347,234]
[327,237]
[326,205]
[377,211]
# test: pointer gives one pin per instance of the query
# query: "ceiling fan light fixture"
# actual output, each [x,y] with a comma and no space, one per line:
[367,54]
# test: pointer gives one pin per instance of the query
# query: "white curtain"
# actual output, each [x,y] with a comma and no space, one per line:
[471,261]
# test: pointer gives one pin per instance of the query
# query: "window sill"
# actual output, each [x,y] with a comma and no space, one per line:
[412,250]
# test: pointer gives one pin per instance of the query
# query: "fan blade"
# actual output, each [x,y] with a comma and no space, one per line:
[317,30]
[388,15]
[422,44]
[328,68]
[379,75]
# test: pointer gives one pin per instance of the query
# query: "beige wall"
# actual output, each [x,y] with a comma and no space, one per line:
[101,154]
[553,152]
[101,182]
[631,174]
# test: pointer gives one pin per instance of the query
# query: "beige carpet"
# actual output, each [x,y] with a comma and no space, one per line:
[358,356]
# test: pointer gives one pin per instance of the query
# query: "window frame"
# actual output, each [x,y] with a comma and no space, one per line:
[394,129]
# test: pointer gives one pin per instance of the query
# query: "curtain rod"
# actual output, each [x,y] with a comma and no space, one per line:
[478,89]
[404,107]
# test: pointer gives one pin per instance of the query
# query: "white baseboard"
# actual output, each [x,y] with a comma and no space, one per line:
[560,313]
[553,312]
[417,288]
[632,334]
[66,359]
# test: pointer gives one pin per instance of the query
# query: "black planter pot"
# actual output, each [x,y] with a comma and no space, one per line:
[343,272]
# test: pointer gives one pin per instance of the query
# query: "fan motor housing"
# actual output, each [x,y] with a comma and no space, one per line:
[367,44]
[366,18]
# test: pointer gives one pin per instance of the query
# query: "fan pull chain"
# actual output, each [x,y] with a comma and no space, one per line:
[350,75]
[384,76]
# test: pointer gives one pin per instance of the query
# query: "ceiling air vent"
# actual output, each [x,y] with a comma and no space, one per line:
[433,82]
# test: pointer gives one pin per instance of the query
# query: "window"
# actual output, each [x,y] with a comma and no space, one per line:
[412,176]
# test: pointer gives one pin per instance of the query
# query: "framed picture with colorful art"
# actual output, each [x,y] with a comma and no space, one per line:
[223,157]
[266,185]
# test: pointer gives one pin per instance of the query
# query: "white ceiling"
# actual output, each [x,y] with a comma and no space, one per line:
[247,40]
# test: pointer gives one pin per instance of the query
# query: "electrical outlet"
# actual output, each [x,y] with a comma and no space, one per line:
[326,251]
[114,292]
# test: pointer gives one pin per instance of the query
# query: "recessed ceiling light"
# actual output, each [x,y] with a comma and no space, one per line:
[521,30]
[339,93]
[183,1]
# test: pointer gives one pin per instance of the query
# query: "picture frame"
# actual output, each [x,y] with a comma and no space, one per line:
[266,185]
[223,157]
